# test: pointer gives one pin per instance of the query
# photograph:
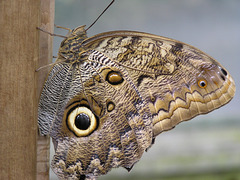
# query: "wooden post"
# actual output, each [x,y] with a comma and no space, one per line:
[45,58]
[19,52]
[43,142]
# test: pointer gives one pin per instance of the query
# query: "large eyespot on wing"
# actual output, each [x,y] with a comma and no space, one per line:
[212,88]
[81,121]
[123,134]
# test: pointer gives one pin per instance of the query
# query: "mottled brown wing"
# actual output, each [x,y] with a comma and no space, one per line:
[109,96]
[120,127]
[176,80]
[91,108]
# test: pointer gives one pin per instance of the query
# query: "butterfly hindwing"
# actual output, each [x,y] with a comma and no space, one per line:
[105,90]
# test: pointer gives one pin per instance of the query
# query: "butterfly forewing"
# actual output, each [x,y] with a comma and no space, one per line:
[168,75]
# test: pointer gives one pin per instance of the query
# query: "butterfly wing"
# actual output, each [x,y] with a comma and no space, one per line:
[177,81]
[112,94]
[119,129]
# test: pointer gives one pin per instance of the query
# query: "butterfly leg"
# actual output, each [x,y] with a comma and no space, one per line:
[61,27]
[51,34]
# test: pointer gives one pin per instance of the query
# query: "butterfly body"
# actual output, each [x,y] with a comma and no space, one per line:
[110,95]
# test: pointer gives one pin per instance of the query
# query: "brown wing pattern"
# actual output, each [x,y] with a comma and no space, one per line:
[177,80]
[110,95]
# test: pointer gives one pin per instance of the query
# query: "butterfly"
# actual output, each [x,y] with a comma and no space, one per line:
[107,97]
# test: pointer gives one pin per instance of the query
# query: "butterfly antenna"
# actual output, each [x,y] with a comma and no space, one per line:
[100,15]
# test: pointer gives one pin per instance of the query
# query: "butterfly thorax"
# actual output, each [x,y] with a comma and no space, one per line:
[71,46]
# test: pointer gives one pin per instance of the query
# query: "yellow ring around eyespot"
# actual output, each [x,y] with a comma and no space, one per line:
[200,83]
[71,121]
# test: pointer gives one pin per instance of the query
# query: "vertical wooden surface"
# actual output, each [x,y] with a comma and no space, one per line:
[19,52]
[18,85]
[45,57]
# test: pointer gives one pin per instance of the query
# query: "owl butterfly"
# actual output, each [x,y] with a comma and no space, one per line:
[108,96]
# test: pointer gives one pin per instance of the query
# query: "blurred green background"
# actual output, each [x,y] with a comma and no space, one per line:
[207,147]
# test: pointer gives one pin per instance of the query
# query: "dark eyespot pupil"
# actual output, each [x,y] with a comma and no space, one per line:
[224,72]
[82,121]
[223,78]
[82,177]
[202,83]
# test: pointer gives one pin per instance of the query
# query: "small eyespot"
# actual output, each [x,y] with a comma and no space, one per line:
[223,77]
[153,99]
[114,78]
[202,83]
[81,121]
[224,71]
[110,106]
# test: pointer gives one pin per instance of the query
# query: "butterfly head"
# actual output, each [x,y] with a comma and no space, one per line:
[71,46]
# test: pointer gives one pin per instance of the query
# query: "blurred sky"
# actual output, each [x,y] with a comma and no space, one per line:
[213,26]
